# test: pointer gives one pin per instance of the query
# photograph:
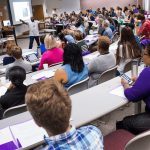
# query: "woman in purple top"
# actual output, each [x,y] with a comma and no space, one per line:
[53,54]
[139,91]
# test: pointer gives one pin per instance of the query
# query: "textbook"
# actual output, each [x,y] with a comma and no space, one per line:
[22,135]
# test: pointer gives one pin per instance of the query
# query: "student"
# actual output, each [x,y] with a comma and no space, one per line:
[53,54]
[19,61]
[81,42]
[33,31]
[50,107]
[15,94]
[102,62]
[8,59]
[139,91]
[142,26]
[107,30]
[42,44]
[73,69]
[127,50]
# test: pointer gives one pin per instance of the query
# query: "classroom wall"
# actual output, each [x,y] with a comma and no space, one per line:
[85,4]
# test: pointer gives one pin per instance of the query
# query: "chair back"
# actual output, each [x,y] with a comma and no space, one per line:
[140,142]
[115,37]
[78,87]
[55,64]
[107,75]
[128,67]
[14,110]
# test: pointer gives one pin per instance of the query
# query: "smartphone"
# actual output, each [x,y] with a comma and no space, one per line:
[124,76]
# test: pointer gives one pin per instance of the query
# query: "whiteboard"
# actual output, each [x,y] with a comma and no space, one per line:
[20,10]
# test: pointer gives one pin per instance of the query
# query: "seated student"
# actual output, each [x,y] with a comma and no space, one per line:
[8,59]
[142,26]
[81,42]
[15,94]
[127,50]
[53,54]
[50,107]
[139,91]
[73,69]
[42,45]
[102,62]
[79,25]
[19,61]
[107,32]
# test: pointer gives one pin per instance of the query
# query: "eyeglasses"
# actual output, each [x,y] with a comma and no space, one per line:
[144,53]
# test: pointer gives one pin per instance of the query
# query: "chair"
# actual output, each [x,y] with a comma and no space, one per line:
[140,142]
[107,75]
[115,37]
[117,140]
[78,87]
[55,64]
[14,110]
[128,67]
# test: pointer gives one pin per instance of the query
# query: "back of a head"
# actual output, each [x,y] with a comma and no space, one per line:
[50,105]
[106,23]
[17,75]
[9,48]
[128,40]
[16,52]
[140,17]
[73,57]
[50,42]
[78,35]
[103,44]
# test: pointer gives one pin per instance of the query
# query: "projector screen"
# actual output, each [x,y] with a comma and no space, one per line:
[20,10]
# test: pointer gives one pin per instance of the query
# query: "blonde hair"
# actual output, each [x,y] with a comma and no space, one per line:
[50,42]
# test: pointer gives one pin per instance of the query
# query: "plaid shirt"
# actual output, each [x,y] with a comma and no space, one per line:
[84,138]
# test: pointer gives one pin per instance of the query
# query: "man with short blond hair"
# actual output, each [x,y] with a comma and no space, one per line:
[50,106]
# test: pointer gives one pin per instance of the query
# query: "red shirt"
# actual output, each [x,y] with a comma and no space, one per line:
[145,29]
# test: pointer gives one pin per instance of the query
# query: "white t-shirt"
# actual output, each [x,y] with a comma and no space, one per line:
[33,28]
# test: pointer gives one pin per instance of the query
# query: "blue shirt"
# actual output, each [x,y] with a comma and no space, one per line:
[108,33]
[84,138]
[74,77]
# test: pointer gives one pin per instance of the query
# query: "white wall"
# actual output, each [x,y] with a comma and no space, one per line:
[63,5]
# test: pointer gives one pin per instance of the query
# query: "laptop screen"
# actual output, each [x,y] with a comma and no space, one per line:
[32,57]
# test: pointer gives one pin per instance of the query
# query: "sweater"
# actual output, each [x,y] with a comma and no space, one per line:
[141,89]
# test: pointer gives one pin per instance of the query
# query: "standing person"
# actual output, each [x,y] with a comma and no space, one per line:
[50,107]
[33,31]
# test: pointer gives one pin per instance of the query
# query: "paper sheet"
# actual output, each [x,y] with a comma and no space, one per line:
[28,133]
[46,74]
[119,91]
[5,136]
[3,90]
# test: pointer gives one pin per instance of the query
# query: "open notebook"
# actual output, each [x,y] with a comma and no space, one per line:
[23,135]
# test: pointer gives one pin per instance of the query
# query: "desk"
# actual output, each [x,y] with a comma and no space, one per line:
[91,39]
[87,105]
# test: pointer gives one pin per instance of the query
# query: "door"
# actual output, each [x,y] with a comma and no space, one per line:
[38,12]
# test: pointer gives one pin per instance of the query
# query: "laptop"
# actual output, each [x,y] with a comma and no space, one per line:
[32,58]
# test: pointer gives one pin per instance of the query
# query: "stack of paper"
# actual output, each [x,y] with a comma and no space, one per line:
[43,74]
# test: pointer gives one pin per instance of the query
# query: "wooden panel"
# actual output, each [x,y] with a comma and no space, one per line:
[38,12]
